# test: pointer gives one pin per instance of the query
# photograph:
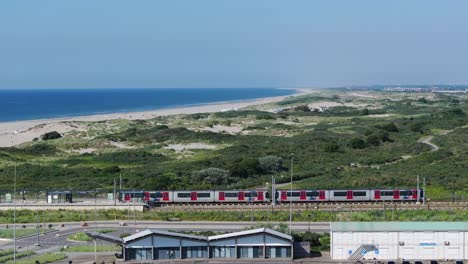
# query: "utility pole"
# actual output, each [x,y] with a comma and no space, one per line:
[115,201]
[273,191]
[37,229]
[424,190]
[134,212]
[417,180]
[120,189]
[290,194]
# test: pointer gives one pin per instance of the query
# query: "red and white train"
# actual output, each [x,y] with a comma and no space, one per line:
[263,196]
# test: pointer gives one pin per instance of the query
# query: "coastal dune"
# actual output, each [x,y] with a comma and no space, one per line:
[15,133]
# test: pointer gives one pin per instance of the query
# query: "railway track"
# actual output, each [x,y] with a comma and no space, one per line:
[330,207]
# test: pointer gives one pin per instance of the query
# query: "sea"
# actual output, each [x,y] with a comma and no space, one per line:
[16,105]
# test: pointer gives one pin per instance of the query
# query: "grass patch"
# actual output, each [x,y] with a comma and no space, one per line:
[105,231]
[90,248]
[44,258]
[20,232]
[274,215]
[8,257]
[79,236]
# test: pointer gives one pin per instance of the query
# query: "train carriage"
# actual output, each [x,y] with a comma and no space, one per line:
[159,196]
[395,195]
[131,196]
[242,196]
[349,195]
[193,196]
[302,195]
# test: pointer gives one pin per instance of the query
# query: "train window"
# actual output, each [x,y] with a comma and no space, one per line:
[204,195]
[340,193]
[406,193]
[267,195]
[359,193]
[314,193]
[294,194]
[230,195]
[183,195]
[156,195]
[386,193]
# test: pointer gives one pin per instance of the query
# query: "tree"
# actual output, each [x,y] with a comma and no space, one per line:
[365,111]
[212,176]
[270,164]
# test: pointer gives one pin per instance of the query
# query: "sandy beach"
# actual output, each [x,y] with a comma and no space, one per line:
[15,133]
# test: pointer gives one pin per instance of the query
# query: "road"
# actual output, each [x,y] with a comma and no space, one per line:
[427,141]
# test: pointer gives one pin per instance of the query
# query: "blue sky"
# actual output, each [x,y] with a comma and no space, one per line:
[231,43]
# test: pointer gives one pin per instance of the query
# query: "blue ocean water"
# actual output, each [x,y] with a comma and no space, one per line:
[50,103]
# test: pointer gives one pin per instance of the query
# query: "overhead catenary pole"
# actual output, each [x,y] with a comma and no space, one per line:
[113,196]
[14,219]
[273,191]
[424,190]
[120,188]
[290,194]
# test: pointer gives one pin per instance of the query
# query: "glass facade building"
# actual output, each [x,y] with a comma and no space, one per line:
[262,243]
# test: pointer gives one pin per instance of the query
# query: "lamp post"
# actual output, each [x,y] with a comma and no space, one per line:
[290,195]
[14,209]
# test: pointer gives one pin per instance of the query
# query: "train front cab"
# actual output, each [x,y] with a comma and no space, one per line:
[159,196]
[302,196]
[131,196]
[395,195]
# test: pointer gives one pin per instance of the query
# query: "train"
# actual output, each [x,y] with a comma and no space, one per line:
[281,196]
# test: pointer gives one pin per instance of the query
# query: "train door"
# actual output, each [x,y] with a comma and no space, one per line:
[349,195]
[127,197]
[146,196]
[396,194]
[284,196]
[165,196]
[260,196]
[414,194]
[222,197]
[302,195]
[322,195]
[241,196]
[377,194]
[193,196]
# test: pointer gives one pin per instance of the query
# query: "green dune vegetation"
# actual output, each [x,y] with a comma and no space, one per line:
[341,138]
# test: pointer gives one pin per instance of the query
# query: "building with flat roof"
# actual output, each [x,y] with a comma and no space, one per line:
[399,240]
[261,243]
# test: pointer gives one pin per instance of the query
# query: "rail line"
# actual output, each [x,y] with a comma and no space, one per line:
[330,207]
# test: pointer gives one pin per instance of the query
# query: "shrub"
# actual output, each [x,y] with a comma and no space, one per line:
[390,127]
[40,149]
[357,143]
[213,176]
[51,135]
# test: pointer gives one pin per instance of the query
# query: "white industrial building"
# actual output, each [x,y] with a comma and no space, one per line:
[399,240]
